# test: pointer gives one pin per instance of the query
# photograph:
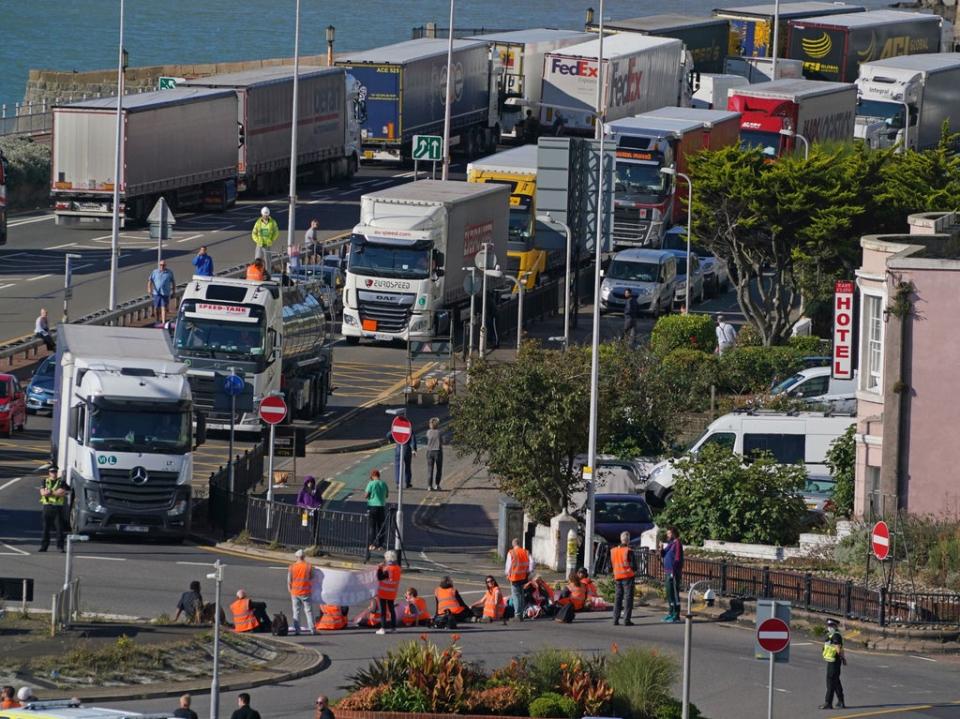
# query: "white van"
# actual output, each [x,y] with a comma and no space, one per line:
[802,437]
[650,275]
[816,386]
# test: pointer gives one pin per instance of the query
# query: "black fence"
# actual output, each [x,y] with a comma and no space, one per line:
[433,31]
[329,531]
[804,590]
[226,510]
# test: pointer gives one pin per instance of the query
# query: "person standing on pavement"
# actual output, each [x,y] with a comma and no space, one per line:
[623,562]
[41,329]
[300,585]
[162,287]
[434,454]
[203,263]
[243,710]
[376,494]
[311,242]
[322,708]
[406,451]
[265,232]
[388,582]
[834,657]
[184,711]
[518,569]
[726,335]
[53,499]
[631,311]
[672,555]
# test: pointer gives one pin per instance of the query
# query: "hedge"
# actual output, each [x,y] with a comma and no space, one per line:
[28,167]
[672,332]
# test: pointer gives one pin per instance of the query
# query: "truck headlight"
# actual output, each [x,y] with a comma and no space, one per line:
[349,319]
[418,323]
[92,498]
[604,291]
[179,508]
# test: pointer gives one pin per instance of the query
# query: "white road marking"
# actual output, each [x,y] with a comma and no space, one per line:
[14,551]
[9,284]
[104,559]
[17,223]
[926,659]
[196,564]
[60,247]
[38,277]
[16,254]
[191,237]
[800,644]
[7,484]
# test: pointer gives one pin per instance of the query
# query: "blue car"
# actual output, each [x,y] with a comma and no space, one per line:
[616,513]
[40,389]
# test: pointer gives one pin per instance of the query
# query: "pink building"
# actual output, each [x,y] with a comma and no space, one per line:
[908,449]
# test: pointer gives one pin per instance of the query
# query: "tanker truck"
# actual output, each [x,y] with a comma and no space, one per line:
[276,338]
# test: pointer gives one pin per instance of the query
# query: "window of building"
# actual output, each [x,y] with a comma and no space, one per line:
[871,347]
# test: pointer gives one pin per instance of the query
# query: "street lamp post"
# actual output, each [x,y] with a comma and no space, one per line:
[68,284]
[776,37]
[547,218]
[483,303]
[118,158]
[519,281]
[806,144]
[217,576]
[670,171]
[331,31]
[687,650]
[294,117]
[473,283]
[447,102]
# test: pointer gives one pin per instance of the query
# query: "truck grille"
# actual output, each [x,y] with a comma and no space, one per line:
[388,316]
[628,228]
[204,391]
[118,488]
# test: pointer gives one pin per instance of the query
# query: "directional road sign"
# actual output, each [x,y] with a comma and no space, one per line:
[428,147]
[401,429]
[233,385]
[168,83]
[773,635]
[880,540]
[471,285]
[273,409]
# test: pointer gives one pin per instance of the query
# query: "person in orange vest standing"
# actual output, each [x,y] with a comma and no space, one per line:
[300,586]
[623,563]
[388,577]
[518,569]
[244,619]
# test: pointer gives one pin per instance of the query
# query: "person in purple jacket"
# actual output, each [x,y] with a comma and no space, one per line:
[672,554]
[308,498]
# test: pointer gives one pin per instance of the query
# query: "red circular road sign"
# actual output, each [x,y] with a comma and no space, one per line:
[401,429]
[773,635]
[880,540]
[273,409]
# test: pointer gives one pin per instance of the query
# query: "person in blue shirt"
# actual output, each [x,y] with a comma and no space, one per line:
[672,554]
[162,287]
[203,263]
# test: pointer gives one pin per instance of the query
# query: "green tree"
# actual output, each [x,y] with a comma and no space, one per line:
[719,496]
[841,458]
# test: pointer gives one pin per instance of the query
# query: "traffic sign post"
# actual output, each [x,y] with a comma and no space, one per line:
[68,284]
[880,540]
[401,429]
[773,636]
[233,386]
[428,148]
[272,411]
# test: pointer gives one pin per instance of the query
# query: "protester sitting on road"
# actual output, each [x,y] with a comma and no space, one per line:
[25,694]
[492,606]
[8,698]
[594,600]
[574,593]
[249,616]
[537,593]
[370,617]
[184,711]
[415,609]
[190,604]
[332,617]
[449,600]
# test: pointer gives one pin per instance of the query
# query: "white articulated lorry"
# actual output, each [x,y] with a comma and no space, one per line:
[408,256]
[929,85]
[123,431]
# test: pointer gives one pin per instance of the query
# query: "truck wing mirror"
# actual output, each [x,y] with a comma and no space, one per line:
[200,436]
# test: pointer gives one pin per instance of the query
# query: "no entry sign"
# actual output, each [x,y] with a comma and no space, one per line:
[880,540]
[401,429]
[273,409]
[773,635]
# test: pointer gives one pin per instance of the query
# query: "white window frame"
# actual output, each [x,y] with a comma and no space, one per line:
[871,381]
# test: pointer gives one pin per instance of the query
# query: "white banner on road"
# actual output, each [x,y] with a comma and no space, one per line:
[343,587]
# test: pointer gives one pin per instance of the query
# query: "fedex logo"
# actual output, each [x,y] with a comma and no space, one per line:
[583,68]
[626,85]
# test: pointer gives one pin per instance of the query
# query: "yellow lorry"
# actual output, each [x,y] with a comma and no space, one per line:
[533,247]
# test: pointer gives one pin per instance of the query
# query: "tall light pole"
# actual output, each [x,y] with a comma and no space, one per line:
[294,118]
[117,167]
[446,109]
[595,342]
[671,172]
[776,38]
[217,576]
[483,302]
[519,282]
[797,135]
[547,218]
[331,31]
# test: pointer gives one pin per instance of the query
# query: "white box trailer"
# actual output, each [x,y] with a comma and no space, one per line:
[180,144]
[641,73]
[517,61]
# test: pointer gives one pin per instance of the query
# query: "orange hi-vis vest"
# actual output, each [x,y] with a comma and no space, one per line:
[387,588]
[243,619]
[331,618]
[578,596]
[590,587]
[620,557]
[493,604]
[300,578]
[447,601]
[410,618]
[519,565]
[255,273]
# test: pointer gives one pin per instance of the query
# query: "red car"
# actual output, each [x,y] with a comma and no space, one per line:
[13,405]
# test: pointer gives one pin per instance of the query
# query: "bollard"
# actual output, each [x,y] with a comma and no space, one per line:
[572,546]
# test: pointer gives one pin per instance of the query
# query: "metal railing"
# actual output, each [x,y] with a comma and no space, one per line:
[226,510]
[65,607]
[432,30]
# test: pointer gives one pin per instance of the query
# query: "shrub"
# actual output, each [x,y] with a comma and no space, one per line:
[719,496]
[689,373]
[501,700]
[641,679]
[583,683]
[683,331]
[841,457]
[553,706]
[747,336]
[755,369]
[673,709]
[28,164]
[392,668]
[545,668]
[404,698]
[808,345]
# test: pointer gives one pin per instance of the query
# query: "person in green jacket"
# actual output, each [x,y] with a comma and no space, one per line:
[265,233]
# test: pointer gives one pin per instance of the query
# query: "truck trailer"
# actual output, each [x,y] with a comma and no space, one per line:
[927,86]
[178,144]
[410,253]
[402,91]
[275,340]
[328,136]
[706,38]
[122,431]
[640,73]
[516,58]
[818,111]
[751,26]
[832,48]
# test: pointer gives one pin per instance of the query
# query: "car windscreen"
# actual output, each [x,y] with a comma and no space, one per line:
[611,511]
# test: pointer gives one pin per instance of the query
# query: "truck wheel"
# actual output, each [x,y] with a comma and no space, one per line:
[352,341]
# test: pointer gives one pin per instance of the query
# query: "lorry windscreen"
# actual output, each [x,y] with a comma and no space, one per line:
[768,142]
[520,222]
[633,271]
[373,259]
[139,427]
[890,112]
[219,337]
[643,179]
